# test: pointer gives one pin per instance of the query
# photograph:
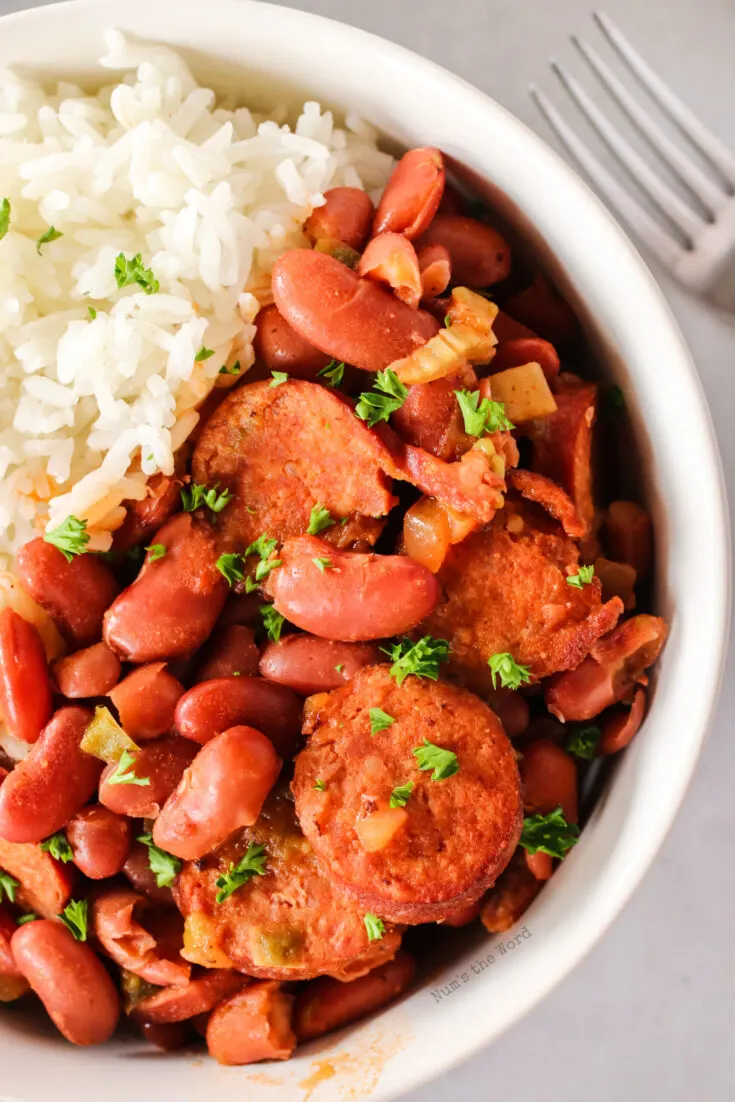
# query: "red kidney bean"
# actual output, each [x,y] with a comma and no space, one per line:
[231,653]
[309,665]
[618,729]
[184,1001]
[52,783]
[430,417]
[213,706]
[75,594]
[137,869]
[526,350]
[480,256]
[163,762]
[46,885]
[151,951]
[280,348]
[628,535]
[463,916]
[540,864]
[413,193]
[511,895]
[326,1004]
[512,710]
[167,1036]
[613,666]
[365,324]
[146,701]
[89,672]
[8,967]
[25,691]
[540,308]
[357,598]
[145,517]
[76,991]
[223,790]
[346,216]
[100,841]
[453,202]
[252,1025]
[549,779]
[173,604]
[435,266]
[507,328]
[242,609]
[391,259]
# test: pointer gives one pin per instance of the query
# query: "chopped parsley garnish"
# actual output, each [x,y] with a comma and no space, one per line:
[320,785]
[421,658]
[264,568]
[71,537]
[263,546]
[231,568]
[203,354]
[504,667]
[279,377]
[430,757]
[375,927]
[379,721]
[58,846]
[550,834]
[584,741]
[92,313]
[482,416]
[4,217]
[51,234]
[195,496]
[163,865]
[373,407]
[252,864]
[129,270]
[333,372]
[234,370]
[272,622]
[399,796]
[583,577]
[23,919]
[340,667]
[323,564]
[125,772]
[155,551]
[448,321]
[8,884]
[75,918]
[319,519]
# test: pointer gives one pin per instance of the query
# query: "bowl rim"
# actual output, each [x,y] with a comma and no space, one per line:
[712,586]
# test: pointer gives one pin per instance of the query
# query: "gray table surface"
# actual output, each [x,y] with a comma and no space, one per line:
[648,1015]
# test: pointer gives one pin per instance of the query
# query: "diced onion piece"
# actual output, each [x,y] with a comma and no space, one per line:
[497,461]
[461,525]
[524,392]
[426,533]
[617,579]
[105,738]
[376,831]
[469,338]
[13,595]
[200,943]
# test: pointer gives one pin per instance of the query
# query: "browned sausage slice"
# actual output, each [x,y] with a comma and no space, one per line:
[454,835]
[281,450]
[292,923]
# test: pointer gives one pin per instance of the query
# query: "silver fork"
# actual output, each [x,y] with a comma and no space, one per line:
[695,240]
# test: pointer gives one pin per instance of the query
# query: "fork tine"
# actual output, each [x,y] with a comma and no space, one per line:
[668,202]
[710,146]
[699,184]
[668,251]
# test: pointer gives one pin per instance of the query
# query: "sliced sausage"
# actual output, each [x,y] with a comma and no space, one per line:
[326,1004]
[291,923]
[89,672]
[282,450]
[76,991]
[146,701]
[480,256]
[52,783]
[251,1026]
[213,706]
[412,194]
[173,604]
[151,951]
[100,841]
[350,597]
[365,324]
[309,665]
[222,790]
[25,691]
[75,594]
[544,623]
[162,762]
[425,869]
[46,885]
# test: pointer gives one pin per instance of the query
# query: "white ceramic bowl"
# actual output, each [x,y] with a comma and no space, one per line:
[271,52]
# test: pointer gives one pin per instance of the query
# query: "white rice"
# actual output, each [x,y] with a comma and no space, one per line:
[94,401]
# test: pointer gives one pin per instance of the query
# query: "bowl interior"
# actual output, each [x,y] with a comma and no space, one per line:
[483,984]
